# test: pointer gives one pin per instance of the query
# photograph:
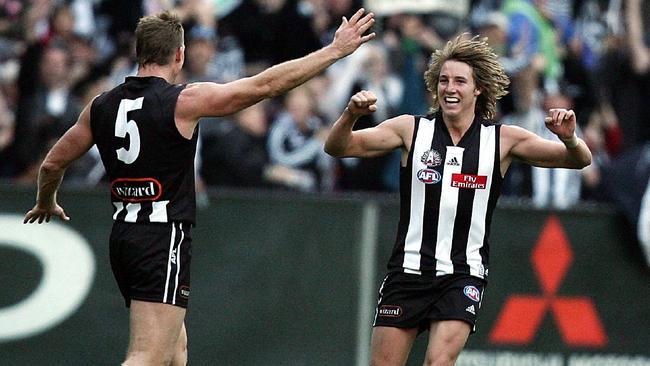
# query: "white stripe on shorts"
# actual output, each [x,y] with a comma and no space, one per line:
[178,262]
[169,261]
[381,296]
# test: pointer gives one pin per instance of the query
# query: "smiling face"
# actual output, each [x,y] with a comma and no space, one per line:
[474,60]
[457,92]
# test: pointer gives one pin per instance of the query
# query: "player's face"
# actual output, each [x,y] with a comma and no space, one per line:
[457,92]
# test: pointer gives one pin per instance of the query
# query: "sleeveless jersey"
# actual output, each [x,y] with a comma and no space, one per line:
[149,163]
[447,195]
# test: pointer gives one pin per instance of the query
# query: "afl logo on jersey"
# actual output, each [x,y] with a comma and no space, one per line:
[472,292]
[136,189]
[429,176]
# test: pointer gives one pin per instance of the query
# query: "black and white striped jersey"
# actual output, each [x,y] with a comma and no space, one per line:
[149,163]
[447,196]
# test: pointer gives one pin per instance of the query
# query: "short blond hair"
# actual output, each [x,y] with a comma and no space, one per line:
[157,37]
[488,73]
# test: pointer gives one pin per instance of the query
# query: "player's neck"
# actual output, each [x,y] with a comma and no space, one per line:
[164,72]
[457,125]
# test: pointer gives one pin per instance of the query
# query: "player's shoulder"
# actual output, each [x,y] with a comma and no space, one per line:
[403,122]
[402,119]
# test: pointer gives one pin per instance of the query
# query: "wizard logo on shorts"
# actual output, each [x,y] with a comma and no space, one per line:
[390,311]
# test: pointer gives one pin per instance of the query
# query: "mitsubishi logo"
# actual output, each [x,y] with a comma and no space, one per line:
[575,316]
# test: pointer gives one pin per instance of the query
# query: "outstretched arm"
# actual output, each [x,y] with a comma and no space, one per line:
[571,152]
[70,147]
[368,142]
[212,99]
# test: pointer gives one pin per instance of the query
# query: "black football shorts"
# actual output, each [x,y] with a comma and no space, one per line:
[151,261]
[414,301]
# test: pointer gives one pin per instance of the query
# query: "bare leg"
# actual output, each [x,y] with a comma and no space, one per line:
[446,339]
[154,333]
[180,357]
[391,346]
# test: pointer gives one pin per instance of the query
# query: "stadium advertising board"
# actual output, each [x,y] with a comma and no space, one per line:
[565,289]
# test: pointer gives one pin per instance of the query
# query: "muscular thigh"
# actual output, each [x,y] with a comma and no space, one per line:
[154,330]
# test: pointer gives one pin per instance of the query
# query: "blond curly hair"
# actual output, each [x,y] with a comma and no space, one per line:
[489,76]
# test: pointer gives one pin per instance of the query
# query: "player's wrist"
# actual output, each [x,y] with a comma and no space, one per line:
[353,116]
[571,142]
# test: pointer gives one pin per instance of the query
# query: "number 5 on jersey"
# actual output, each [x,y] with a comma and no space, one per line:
[123,128]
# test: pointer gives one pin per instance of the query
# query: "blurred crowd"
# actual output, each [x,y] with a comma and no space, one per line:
[592,56]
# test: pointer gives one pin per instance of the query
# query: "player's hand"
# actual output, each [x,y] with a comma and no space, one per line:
[350,36]
[561,122]
[41,214]
[362,103]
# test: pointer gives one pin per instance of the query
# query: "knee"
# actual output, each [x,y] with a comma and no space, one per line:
[148,358]
[180,355]
[442,359]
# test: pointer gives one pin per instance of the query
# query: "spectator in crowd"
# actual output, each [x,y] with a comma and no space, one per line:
[45,114]
[637,15]
[296,141]
[410,42]
[205,62]
[234,153]
[325,15]
[267,31]
[369,69]
[591,53]
[558,188]
[6,135]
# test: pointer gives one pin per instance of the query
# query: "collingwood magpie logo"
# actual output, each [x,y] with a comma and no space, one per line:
[431,158]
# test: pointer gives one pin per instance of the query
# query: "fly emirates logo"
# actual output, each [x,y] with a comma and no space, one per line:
[468,181]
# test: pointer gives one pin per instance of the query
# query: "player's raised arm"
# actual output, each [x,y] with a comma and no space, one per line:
[211,99]
[375,141]
[571,152]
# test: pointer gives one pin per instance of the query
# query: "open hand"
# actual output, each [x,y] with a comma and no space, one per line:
[350,36]
[44,214]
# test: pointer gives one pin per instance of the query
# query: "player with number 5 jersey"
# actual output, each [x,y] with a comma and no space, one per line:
[148,161]
[146,132]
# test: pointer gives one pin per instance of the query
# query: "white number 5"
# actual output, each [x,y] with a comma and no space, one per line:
[123,128]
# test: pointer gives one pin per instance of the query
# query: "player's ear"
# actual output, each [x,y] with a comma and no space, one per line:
[477,92]
[180,52]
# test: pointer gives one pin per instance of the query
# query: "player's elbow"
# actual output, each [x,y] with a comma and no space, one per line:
[586,161]
[51,167]
[335,148]
[581,161]
[332,150]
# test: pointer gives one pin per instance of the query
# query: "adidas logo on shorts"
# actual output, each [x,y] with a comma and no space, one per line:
[470,309]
